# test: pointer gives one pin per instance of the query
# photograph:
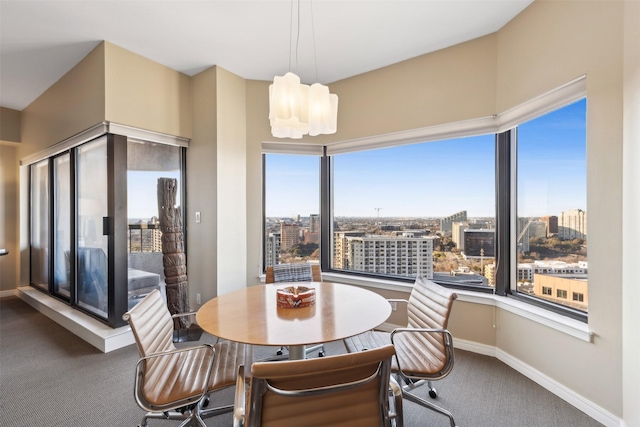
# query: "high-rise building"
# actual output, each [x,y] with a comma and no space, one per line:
[289,235]
[445,223]
[314,223]
[552,224]
[340,258]
[156,234]
[272,249]
[479,243]
[572,224]
[457,234]
[392,255]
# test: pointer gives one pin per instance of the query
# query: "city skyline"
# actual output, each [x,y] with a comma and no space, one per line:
[433,180]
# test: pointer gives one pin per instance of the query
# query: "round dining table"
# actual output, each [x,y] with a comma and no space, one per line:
[252,316]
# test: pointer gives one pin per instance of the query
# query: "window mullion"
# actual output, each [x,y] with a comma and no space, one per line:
[326,212]
[503,211]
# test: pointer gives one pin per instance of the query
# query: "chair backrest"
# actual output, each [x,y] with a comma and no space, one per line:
[272,275]
[348,389]
[151,324]
[429,305]
[429,308]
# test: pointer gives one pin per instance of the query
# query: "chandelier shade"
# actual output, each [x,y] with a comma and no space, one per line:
[297,109]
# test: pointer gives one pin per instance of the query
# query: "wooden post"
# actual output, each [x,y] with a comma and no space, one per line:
[173,259]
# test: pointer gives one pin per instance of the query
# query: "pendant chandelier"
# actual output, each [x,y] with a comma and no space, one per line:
[297,109]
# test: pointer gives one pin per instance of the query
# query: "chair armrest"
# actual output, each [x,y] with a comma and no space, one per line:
[398,300]
[239,405]
[201,387]
[190,313]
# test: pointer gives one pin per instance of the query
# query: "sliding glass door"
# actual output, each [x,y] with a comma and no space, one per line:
[62,258]
[39,227]
[92,227]
[95,239]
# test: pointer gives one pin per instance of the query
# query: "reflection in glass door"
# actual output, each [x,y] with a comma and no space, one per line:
[62,225]
[40,224]
[92,238]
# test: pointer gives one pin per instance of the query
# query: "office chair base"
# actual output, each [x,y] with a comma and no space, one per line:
[193,416]
[413,398]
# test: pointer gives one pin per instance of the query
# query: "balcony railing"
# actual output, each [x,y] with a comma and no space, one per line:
[144,237]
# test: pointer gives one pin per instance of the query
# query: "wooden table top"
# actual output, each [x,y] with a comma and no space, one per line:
[251,315]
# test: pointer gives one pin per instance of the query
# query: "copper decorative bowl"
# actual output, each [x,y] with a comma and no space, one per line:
[296,297]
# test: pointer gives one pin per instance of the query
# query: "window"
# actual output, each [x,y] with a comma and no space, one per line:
[561,293]
[551,186]
[39,224]
[502,212]
[440,223]
[292,211]
[578,297]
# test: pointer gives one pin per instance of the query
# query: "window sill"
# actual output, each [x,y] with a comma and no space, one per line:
[558,322]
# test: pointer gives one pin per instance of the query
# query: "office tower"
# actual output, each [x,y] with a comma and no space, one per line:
[272,249]
[340,258]
[457,234]
[289,235]
[156,234]
[445,223]
[479,243]
[552,224]
[572,224]
[402,256]
[314,223]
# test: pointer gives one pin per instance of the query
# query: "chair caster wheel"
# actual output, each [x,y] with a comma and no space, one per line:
[433,393]
[321,354]
[279,353]
[205,402]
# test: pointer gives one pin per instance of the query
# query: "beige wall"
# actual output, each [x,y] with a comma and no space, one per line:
[144,94]
[73,104]
[9,211]
[630,215]
[231,169]
[419,92]
[548,44]
[10,121]
[217,185]
[257,131]
[202,190]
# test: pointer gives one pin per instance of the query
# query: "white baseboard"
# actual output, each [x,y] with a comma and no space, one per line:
[9,293]
[579,402]
[99,335]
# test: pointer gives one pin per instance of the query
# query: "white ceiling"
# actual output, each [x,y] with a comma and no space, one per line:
[41,40]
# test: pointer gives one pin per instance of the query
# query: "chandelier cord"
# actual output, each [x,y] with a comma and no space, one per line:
[298,37]
[290,32]
[313,38]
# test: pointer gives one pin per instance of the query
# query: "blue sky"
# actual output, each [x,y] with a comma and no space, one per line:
[440,178]
[143,192]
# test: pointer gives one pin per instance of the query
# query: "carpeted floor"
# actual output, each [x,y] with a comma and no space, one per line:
[49,377]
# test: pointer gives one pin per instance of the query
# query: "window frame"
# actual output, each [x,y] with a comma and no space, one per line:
[504,127]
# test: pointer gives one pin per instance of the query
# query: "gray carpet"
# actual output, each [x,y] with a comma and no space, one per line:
[49,377]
